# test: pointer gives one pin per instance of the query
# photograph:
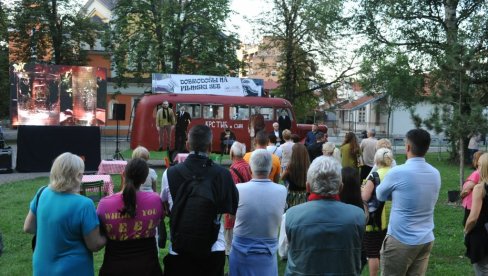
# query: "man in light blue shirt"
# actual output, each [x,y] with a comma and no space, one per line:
[413,189]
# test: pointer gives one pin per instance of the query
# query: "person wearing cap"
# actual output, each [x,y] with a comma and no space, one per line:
[165,120]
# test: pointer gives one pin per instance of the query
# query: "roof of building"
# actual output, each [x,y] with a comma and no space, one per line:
[109,4]
[361,102]
[271,84]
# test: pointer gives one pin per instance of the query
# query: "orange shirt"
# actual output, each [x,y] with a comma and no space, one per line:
[275,166]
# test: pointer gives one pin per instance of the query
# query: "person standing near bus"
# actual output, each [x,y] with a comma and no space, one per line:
[165,120]
[284,122]
[256,124]
[183,119]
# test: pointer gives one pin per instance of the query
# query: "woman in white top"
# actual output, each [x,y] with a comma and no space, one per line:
[286,149]
[151,180]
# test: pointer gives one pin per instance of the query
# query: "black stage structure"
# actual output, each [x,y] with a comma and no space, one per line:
[38,146]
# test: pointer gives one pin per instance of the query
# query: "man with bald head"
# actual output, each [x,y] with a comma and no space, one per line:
[165,120]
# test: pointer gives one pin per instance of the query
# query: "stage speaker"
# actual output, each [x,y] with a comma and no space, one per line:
[118,112]
[5,160]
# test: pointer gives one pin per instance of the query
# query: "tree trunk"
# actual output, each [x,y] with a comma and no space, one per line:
[461,163]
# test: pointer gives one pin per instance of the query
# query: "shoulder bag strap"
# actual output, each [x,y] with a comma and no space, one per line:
[39,195]
[238,174]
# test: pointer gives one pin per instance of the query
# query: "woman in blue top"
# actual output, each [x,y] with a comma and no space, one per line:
[65,222]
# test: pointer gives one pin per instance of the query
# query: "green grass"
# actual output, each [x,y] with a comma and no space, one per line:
[160,155]
[447,256]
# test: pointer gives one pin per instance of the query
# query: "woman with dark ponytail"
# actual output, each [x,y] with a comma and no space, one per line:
[130,219]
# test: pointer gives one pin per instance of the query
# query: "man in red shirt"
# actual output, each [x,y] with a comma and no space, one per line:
[241,173]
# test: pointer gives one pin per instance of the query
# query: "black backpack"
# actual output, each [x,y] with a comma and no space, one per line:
[194,222]
[375,207]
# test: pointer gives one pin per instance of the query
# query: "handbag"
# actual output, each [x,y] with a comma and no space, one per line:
[162,234]
[34,239]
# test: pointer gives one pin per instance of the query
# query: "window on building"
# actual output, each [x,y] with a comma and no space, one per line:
[362,115]
[213,111]
[239,112]
[195,110]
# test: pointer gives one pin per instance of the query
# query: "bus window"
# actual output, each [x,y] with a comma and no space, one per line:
[287,113]
[239,112]
[193,109]
[213,111]
[267,113]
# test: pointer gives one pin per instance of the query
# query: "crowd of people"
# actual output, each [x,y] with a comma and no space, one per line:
[323,209]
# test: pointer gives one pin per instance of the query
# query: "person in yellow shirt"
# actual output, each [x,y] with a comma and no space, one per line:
[165,120]
[261,142]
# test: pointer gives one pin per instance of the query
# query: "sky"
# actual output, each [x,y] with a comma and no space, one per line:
[238,23]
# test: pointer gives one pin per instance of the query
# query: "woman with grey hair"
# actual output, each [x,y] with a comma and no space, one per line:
[261,206]
[329,250]
[68,228]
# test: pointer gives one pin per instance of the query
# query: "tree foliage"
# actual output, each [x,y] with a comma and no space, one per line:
[390,74]
[305,32]
[54,31]
[447,40]
[173,36]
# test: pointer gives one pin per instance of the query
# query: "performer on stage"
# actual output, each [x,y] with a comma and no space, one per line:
[183,119]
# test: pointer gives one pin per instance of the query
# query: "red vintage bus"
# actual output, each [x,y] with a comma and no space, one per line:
[217,112]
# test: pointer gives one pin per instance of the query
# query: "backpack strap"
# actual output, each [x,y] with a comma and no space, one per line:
[375,177]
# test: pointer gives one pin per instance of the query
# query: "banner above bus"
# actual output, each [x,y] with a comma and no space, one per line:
[199,84]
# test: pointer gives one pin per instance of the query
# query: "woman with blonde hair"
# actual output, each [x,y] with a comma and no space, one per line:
[476,236]
[471,181]
[295,175]
[329,149]
[151,181]
[377,224]
[382,143]
[64,221]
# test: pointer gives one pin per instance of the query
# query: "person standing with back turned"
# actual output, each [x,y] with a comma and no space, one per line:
[214,183]
[413,189]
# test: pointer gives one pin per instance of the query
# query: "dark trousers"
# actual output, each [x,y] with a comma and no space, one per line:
[181,265]
[365,170]
[180,140]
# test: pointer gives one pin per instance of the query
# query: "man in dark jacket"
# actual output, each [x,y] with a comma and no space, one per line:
[311,135]
[183,119]
[315,149]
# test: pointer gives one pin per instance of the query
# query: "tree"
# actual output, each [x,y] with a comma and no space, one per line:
[54,31]
[305,32]
[4,66]
[173,36]
[391,75]
[448,41]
